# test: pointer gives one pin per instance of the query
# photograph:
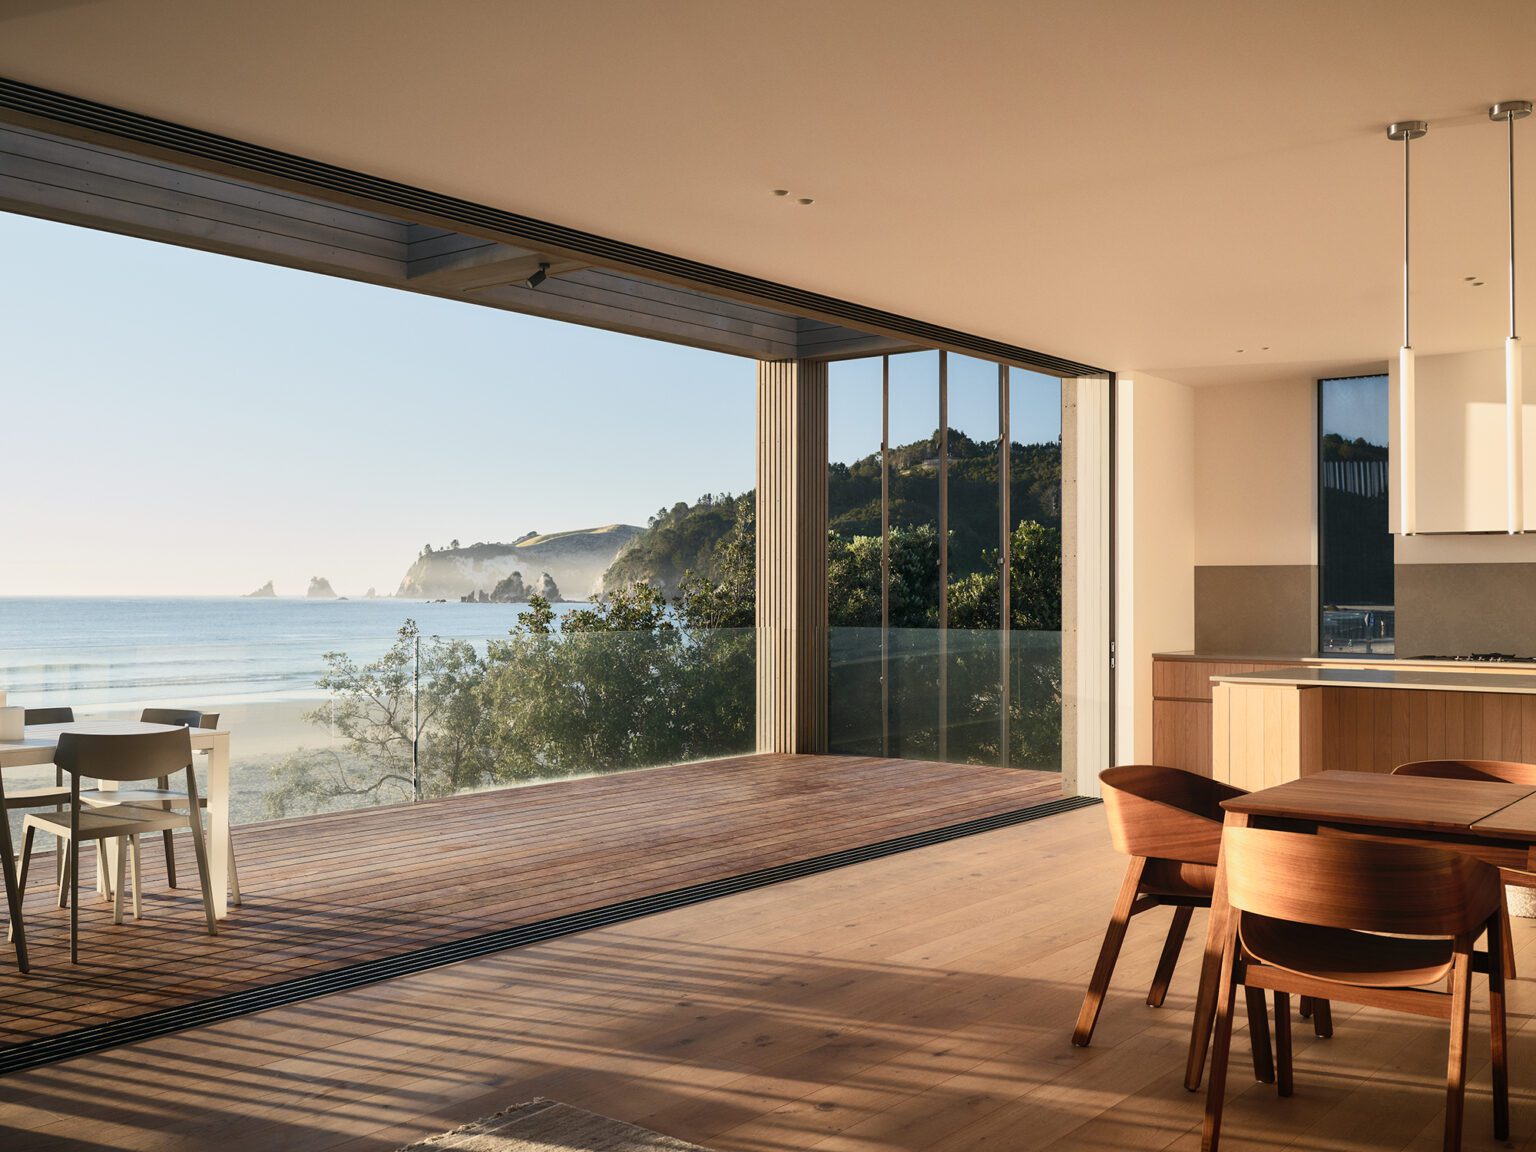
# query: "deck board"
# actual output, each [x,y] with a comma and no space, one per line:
[918,1003]
[324,892]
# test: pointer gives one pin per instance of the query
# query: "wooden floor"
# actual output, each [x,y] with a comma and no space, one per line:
[923,1001]
[327,891]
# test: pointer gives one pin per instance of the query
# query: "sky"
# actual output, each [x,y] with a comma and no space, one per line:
[1356,408]
[181,423]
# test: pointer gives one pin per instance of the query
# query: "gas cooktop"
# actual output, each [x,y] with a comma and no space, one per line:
[1484,658]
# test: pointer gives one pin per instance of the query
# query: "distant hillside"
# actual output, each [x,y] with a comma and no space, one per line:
[678,540]
[574,560]
[684,537]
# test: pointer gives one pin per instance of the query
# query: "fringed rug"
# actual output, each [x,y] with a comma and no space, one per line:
[549,1126]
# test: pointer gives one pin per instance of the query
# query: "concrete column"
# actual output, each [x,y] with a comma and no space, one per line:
[792,556]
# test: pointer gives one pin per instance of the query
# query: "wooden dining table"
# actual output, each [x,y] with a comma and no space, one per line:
[40,742]
[1492,821]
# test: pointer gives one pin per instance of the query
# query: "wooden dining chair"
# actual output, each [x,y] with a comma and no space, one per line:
[165,796]
[120,757]
[1497,771]
[1367,922]
[1169,823]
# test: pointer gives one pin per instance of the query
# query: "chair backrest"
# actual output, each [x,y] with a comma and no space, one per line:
[183,716]
[124,755]
[210,720]
[1367,885]
[48,716]
[1506,771]
[1164,813]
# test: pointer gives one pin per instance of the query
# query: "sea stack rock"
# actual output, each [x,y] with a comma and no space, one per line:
[320,589]
[264,591]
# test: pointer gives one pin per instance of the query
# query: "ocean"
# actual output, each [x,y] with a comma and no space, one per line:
[126,651]
[255,661]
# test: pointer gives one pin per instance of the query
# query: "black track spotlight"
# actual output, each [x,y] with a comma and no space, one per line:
[538,277]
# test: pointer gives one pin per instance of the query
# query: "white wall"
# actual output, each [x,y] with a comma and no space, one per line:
[1155,545]
[1256,473]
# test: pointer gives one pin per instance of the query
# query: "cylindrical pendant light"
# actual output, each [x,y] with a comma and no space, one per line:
[1407,499]
[1514,385]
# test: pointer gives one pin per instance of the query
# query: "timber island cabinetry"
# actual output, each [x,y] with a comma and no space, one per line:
[1282,723]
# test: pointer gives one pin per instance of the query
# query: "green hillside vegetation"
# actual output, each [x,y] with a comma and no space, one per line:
[690,538]
[853,493]
[677,540]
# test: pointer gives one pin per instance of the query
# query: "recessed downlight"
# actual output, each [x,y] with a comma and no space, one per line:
[807,200]
[781,191]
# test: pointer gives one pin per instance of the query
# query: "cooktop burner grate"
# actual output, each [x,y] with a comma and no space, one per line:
[1484,658]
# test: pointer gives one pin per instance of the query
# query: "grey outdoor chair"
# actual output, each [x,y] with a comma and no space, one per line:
[121,758]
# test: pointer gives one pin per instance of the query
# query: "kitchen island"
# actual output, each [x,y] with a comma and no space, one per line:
[1281,723]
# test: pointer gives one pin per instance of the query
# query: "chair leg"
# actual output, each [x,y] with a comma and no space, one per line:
[1304,1008]
[74,897]
[1221,1047]
[1456,1061]
[170,840]
[1508,937]
[122,882]
[200,852]
[234,873]
[1258,1031]
[16,891]
[1322,1019]
[1499,1036]
[1109,952]
[138,881]
[1283,1042]
[1170,957]
[65,847]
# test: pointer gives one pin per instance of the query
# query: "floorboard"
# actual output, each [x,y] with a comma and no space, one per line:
[924,1001]
[324,892]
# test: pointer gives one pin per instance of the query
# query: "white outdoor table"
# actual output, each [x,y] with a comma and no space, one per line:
[40,741]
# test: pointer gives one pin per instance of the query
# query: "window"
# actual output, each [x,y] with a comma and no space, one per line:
[1354,541]
[946,636]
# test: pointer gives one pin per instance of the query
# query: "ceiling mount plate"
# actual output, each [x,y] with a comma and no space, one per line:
[1510,110]
[1408,129]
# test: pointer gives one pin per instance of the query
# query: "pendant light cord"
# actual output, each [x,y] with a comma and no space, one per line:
[1510,120]
[1407,143]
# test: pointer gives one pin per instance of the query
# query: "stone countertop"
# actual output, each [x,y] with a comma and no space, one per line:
[1434,680]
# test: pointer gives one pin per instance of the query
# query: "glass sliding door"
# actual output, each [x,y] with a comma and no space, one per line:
[946,518]
[972,688]
[1034,686]
[856,593]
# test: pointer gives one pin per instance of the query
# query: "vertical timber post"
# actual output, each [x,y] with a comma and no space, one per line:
[885,555]
[792,556]
[1004,567]
[943,555]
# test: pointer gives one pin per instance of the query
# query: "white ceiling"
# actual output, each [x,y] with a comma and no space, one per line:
[1135,184]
